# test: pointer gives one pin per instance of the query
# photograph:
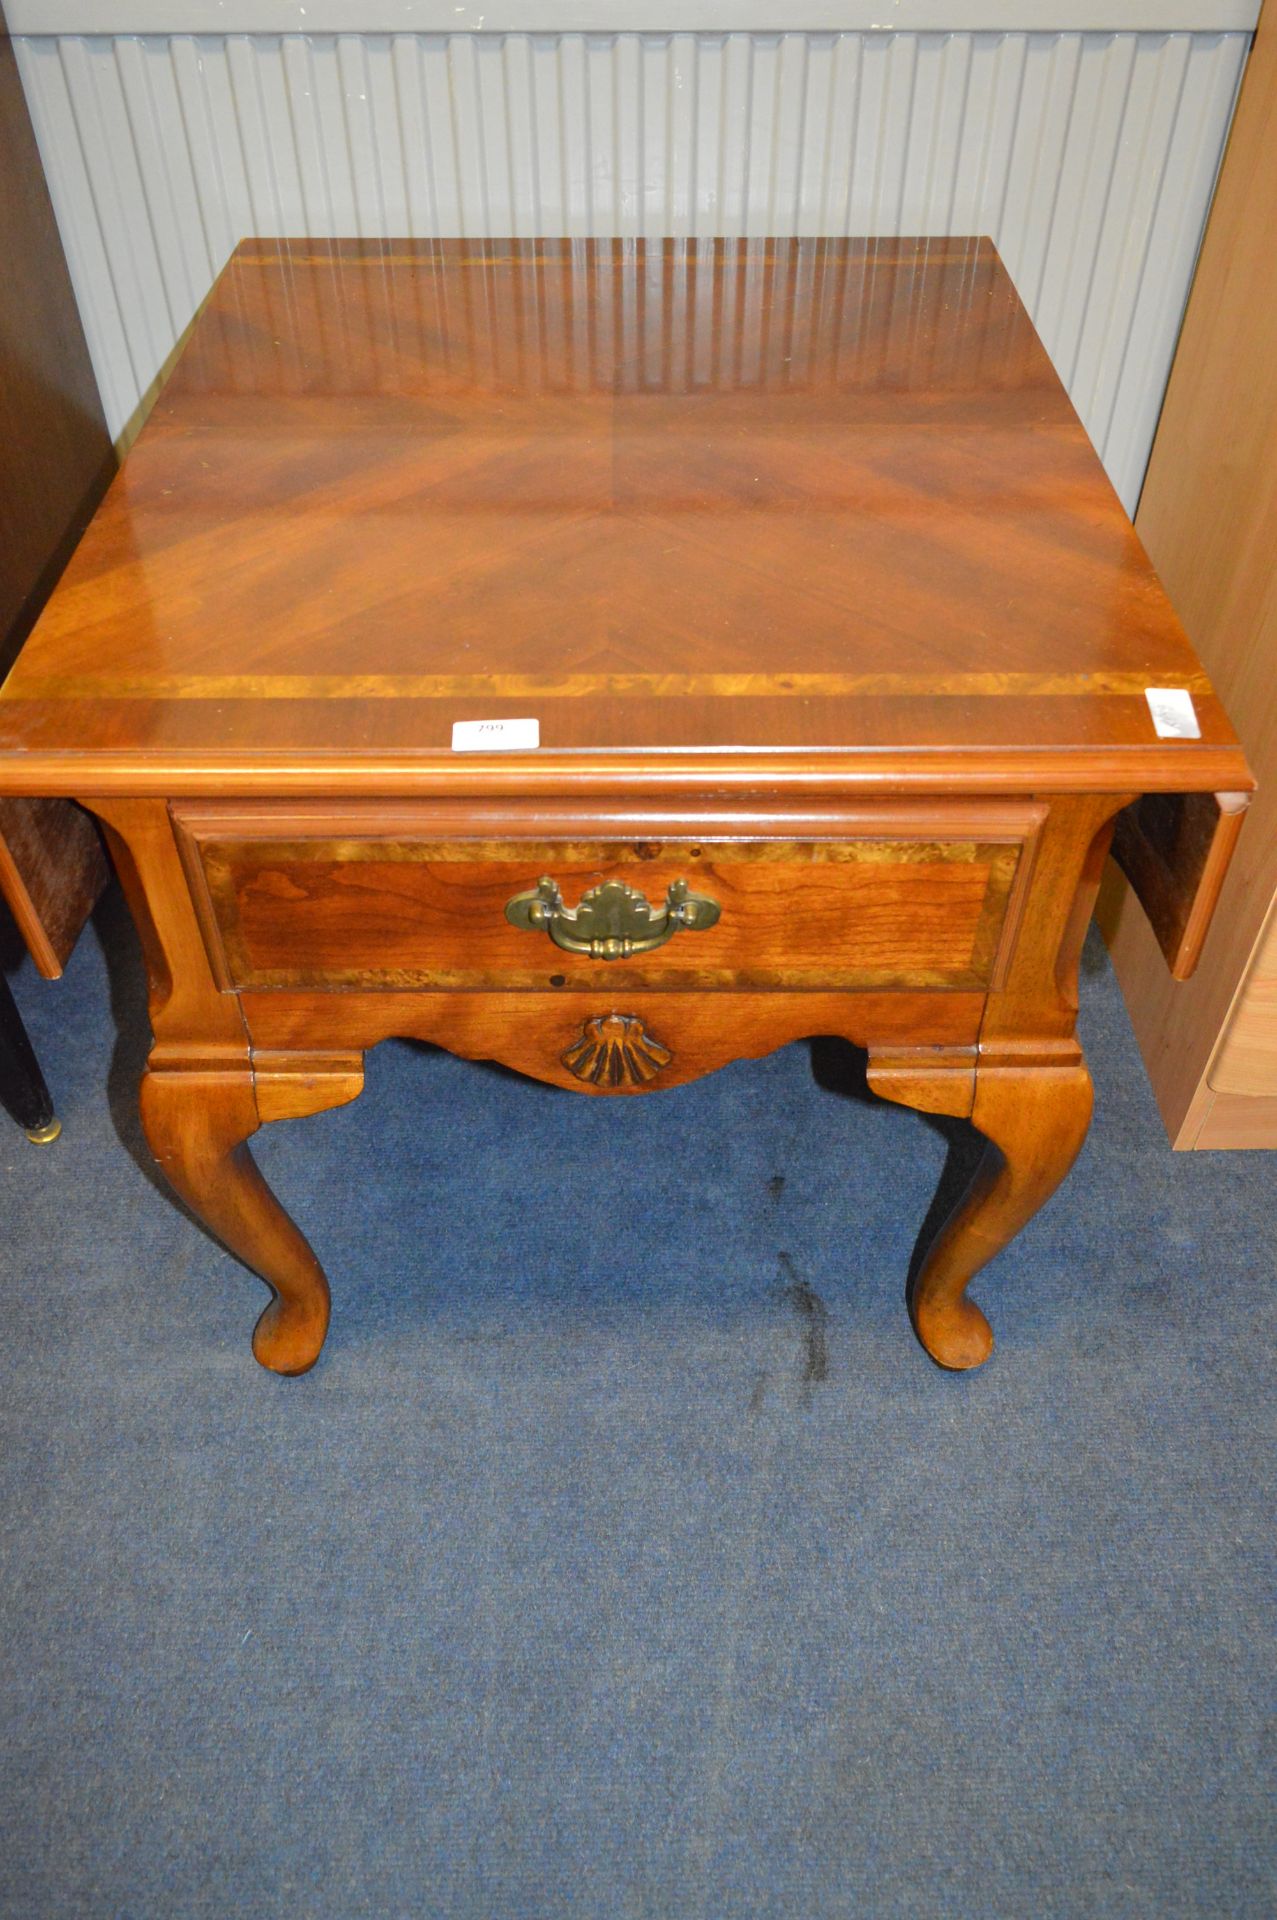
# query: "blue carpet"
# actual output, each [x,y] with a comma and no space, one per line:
[624,1555]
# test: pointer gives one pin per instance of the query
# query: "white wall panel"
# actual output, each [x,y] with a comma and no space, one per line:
[1089,157]
[626,16]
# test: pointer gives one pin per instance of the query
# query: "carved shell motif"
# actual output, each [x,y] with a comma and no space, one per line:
[614,1051]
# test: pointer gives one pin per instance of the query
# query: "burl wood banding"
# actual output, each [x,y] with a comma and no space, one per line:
[800,557]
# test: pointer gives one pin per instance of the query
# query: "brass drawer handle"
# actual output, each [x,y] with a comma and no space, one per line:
[613,921]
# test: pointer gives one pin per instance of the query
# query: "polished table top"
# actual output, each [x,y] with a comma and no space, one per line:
[837,637]
[735,508]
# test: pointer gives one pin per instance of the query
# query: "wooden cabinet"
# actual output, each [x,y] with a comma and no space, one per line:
[1208,517]
[55,463]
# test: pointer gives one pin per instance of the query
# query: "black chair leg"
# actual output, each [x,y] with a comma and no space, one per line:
[22,1089]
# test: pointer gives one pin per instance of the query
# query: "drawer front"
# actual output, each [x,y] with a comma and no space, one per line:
[888,909]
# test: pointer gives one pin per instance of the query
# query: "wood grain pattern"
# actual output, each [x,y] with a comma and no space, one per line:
[289,1086]
[366,506]
[395,913]
[1176,849]
[1208,514]
[531,1032]
[859,652]
[52,872]
[1233,1120]
[1246,1059]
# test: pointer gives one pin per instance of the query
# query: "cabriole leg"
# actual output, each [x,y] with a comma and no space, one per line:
[197,1124]
[1034,1119]
[205,1092]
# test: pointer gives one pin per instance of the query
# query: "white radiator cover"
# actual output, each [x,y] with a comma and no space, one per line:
[1088,156]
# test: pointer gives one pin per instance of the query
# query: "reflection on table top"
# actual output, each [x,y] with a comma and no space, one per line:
[810,496]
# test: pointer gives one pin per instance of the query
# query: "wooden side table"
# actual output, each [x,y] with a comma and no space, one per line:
[837,640]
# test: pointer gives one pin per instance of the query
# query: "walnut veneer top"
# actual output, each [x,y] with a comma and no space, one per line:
[711,511]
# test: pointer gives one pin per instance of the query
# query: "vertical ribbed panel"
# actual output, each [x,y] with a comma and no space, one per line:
[1089,158]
